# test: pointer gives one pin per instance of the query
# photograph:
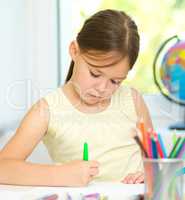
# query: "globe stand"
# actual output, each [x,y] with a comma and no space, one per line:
[178,126]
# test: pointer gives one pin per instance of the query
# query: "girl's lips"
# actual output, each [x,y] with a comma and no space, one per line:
[99,97]
[95,96]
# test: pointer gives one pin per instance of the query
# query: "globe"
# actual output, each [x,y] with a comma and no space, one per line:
[169,76]
[172,71]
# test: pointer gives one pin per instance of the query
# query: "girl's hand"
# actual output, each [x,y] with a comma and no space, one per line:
[79,173]
[134,178]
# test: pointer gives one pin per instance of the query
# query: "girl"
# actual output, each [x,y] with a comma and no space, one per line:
[92,106]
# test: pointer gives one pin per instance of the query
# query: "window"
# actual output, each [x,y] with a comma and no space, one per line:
[157,21]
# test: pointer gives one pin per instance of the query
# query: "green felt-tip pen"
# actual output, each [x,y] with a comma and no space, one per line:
[86,152]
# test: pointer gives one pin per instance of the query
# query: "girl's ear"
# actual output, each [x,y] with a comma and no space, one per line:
[73,50]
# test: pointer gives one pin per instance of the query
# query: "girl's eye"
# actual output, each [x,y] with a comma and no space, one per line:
[115,82]
[94,75]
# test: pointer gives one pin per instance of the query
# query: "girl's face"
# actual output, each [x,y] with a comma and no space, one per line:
[97,75]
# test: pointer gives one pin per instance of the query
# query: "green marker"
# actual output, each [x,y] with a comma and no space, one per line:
[172,153]
[177,150]
[86,152]
[174,138]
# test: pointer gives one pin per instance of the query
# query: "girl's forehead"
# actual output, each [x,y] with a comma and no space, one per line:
[102,59]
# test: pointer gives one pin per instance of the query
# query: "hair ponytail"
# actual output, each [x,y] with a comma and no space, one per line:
[70,71]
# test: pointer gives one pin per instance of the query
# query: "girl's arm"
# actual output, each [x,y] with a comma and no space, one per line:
[142,110]
[142,113]
[15,170]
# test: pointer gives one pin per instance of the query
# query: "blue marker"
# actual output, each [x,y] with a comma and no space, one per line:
[154,149]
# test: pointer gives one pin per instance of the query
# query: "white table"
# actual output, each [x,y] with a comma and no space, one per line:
[114,191]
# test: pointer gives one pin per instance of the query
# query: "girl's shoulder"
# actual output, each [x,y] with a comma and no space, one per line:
[53,98]
[128,92]
[141,107]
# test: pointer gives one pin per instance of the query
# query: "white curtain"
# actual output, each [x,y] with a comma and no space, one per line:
[29,56]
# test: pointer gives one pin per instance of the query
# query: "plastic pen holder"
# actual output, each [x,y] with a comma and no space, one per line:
[161,180]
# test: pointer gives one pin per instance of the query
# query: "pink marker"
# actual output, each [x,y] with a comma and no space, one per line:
[94,196]
[49,197]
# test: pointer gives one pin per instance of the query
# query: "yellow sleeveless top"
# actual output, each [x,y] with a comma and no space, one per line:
[108,134]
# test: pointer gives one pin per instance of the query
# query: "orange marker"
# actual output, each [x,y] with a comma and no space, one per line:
[149,143]
[144,136]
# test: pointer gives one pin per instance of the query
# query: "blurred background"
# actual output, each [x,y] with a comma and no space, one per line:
[34,60]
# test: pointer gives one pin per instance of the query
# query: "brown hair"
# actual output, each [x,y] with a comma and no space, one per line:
[109,30]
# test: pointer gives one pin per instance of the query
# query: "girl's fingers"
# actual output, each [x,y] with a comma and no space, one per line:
[93,171]
[124,180]
[140,179]
[128,179]
[137,177]
[131,179]
[90,178]
[93,163]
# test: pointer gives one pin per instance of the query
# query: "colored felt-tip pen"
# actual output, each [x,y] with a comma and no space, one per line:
[85,152]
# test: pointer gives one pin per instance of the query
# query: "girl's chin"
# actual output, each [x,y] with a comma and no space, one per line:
[91,100]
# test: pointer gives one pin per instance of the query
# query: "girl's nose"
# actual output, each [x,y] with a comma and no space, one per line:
[102,86]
